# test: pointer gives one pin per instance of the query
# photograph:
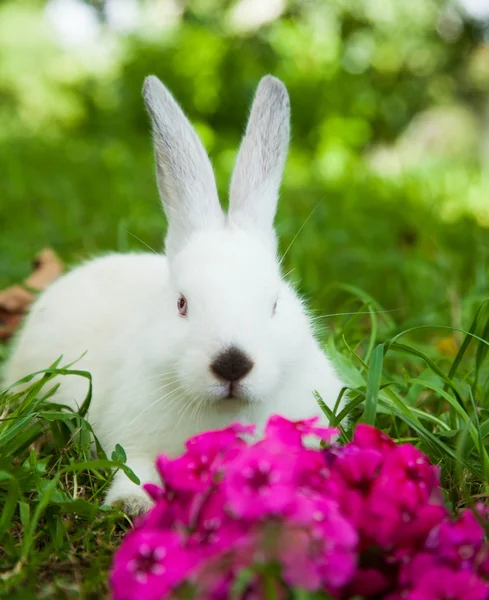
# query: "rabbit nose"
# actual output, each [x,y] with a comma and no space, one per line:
[231,365]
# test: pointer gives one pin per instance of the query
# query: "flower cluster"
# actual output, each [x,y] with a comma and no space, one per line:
[240,519]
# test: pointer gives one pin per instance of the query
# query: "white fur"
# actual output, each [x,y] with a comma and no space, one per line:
[152,385]
[261,159]
[183,170]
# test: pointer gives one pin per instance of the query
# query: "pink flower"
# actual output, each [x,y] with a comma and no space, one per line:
[415,567]
[162,516]
[311,472]
[292,433]
[373,439]
[369,583]
[321,554]
[406,485]
[413,528]
[457,543]
[220,588]
[192,471]
[148,565]
[365,519]
[444,584]
[172,504]
[216,573]
[221,439]
[407,473]
[259,482]
[359,468]
[481,510]
[204,458]
[353,474]
[213,529]
[155,492]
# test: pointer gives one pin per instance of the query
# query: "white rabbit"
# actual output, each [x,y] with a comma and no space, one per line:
[206,335]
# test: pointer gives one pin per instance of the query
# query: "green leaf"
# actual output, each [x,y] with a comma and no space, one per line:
[10,502]
[373,385]
[119,454]
[132,476]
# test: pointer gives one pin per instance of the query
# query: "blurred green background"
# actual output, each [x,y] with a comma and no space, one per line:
[390,147]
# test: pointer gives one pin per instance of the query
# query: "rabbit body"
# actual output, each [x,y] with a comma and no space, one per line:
[204,336]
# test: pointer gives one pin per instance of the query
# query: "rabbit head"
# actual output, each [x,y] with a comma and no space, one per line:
[240,326]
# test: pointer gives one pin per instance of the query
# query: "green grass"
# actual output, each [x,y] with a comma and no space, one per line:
[56,540]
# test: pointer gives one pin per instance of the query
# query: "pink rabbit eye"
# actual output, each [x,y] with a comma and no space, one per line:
[182,305]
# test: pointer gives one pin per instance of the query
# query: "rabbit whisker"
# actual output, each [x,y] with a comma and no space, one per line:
[142,242]
[366,312]
[163,387]
[168,406]
[183,411]
[163,377]
[297,234]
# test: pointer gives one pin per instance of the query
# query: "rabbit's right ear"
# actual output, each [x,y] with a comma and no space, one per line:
[261,159]
[185,178]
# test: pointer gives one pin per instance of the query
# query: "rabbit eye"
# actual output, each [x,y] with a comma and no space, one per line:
[274,308]
[182,305]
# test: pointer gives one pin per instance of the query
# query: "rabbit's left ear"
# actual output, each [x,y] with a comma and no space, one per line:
[184,172]
[261,159]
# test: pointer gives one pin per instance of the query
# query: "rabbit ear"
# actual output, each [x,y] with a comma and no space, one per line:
[185,178]
[259,167]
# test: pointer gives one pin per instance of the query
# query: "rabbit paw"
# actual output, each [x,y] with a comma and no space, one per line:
[129,497]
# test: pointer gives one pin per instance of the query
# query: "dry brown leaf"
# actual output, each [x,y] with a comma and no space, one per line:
[15,300]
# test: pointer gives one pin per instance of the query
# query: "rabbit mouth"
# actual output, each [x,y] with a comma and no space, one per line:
[233,391]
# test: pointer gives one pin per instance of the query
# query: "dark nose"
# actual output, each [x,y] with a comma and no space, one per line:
[231,364]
